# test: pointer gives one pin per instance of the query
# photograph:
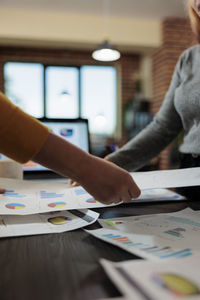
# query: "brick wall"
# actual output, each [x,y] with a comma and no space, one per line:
[176,37]
[130,66]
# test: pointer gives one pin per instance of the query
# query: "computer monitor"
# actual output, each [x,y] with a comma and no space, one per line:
[73,130]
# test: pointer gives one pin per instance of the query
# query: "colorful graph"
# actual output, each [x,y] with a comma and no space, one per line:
[12,193]
[47,195]
[177,232]
[91,200]
[158,251]
[61,220]
[79,192]
[57,204]
[119,238]
[66,132]
[176,284]
[113,223]
[15,205]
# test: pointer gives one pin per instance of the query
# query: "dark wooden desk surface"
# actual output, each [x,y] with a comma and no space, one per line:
[66,266]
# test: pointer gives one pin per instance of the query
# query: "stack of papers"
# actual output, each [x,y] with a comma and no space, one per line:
[32,204]
[29,197]
[26,197]
[30,208]
[171,244]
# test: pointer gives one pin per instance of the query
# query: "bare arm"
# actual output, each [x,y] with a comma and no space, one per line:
[105,181]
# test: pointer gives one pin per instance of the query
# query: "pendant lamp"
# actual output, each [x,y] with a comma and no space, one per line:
[106,52]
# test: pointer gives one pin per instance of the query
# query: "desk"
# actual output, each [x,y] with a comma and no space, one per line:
[66,266]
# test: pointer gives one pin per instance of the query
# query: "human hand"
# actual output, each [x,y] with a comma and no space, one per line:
[2,191]
[107,182]
[73,182]
[104,180]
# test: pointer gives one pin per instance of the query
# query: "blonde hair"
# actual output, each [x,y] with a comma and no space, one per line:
[194,20]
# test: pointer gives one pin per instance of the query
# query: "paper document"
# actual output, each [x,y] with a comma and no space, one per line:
[153,195]
[46,223]
[167,179]
[145,280]
[26,197]
[29,197]
[162,236]
[118,298]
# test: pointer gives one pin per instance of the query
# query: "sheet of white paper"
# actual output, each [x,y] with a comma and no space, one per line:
[29,197]
[53,222]
[26,197]
[167,179]
[118,298]
[161,236]
[176,229]
[153,195]
[145,280]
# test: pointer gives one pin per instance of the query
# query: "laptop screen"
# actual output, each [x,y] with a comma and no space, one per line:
[74,131]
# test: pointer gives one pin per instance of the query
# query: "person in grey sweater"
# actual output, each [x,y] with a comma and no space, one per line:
[180,111]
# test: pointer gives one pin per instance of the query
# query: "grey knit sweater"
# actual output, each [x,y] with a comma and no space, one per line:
[180,111]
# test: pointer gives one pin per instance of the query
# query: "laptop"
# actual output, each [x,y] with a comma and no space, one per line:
[74,131]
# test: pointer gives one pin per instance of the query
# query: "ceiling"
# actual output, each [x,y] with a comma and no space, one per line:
[123,8]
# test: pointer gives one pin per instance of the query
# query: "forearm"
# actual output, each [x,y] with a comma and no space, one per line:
[63,157]
[145,146]
[21,136]
[105,181]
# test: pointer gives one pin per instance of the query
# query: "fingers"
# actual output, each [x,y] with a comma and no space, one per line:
[127,197]
[73,183]
[128,192]
[134,191]
[2,191]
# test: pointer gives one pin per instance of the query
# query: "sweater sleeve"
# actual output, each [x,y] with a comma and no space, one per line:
[165,126]
[21,136]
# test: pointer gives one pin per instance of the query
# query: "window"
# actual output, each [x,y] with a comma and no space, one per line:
[24,86]
[62,92]
[65,92]
[98,95]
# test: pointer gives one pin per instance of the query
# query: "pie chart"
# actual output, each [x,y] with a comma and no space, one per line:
[15,205]
[176,284]
[59,220]
[57,204]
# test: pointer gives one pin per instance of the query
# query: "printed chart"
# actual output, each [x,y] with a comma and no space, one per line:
[154,195]
[141,245]
[169,280]
[159,236]
[26,197]
[54,222]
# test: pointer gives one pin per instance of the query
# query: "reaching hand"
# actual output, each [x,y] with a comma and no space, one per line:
[107,182]
[73,183]
[2,191]
[104,180]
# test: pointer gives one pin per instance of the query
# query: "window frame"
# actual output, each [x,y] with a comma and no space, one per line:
[116,131]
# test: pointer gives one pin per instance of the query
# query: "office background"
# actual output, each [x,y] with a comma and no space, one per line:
[42,43]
